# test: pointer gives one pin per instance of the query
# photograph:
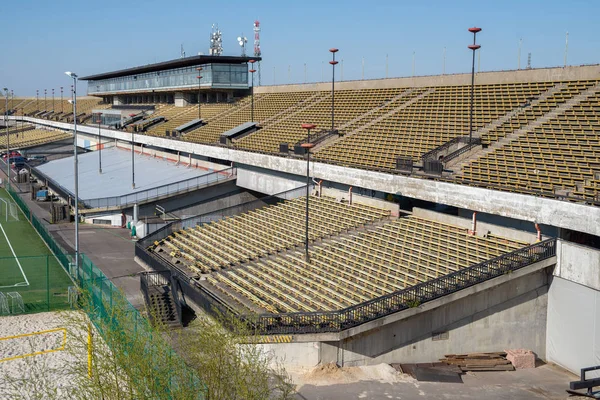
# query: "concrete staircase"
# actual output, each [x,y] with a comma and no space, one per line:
[510,115]
[162,306]
[298,108]
[376,109]
[290,110]
[568,105]
[383,116]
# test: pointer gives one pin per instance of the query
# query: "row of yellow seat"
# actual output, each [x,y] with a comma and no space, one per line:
[351,270]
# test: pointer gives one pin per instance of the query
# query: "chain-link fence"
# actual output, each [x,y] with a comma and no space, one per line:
[121,325]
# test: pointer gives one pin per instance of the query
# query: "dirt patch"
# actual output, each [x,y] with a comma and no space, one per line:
[332,374]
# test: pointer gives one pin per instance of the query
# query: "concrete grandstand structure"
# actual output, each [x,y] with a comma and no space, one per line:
[421,241]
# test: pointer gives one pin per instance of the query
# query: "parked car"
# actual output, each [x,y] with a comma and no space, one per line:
[12,154]
[17,161]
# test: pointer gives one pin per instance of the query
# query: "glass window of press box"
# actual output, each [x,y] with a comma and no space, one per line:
[213,75]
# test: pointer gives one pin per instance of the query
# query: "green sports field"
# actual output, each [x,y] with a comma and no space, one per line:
[28,267]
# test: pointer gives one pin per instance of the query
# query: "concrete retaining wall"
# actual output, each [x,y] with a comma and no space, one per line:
[509,315]
[552,212]
[481,78]
[578,264]
[482,227]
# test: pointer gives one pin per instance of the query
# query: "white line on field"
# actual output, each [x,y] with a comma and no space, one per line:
[14,255]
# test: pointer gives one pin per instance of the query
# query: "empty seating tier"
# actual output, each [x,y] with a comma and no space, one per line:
[562,154]
[351,269]
[34,137]
[263,231]
[425,122]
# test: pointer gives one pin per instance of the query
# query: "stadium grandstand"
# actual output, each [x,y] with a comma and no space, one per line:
[418,216]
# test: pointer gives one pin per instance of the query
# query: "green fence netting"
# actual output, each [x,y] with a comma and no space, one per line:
[121,325]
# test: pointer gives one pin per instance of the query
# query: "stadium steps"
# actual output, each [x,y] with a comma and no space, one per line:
[290,110]
[382,116]
[382,109]
[303,106]
[555,112]
[510,115]
[376,109]
[162,306]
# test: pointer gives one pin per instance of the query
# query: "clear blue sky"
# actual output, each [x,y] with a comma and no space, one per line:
[42,39]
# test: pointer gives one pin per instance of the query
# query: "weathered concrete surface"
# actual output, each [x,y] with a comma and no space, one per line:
[545,382]
[509,315]
[481,78]
[267,182]
[573,335]
[482,227]
[579,264]
[578,217]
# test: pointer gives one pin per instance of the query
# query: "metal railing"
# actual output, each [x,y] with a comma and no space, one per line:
[217,215]
[170,189]
[470,145]
[336,321]
[142,196]
[442,147]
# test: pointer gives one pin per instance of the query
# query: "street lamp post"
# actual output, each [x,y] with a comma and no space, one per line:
[307,146]
[473,47]
[132,156]
[7,140]
[61,100]
[75,167]
[52,101]
[37,99]
[45,100]
[199,102]
[333,63]
[252,71]
[99,144]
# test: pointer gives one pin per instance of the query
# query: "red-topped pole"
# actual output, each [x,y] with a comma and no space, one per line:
[307,146]
[473,47]
[333,63]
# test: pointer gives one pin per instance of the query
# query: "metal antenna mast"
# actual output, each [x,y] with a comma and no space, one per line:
[257,52]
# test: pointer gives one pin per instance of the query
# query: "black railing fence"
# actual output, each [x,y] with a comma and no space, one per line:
[128,200]
[220,214]
[339,320]
[470,145]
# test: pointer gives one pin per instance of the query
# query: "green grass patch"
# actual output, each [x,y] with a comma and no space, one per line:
[27,266]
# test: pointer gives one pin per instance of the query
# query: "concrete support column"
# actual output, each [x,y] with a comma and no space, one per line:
[136,210]
[181,99]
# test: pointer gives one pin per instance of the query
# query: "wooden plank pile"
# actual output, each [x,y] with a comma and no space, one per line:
[479,361]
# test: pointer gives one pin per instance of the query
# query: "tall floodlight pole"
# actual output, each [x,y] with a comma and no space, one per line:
[252,71]
[132,161]
[61,100]
[45,100]
[304,72]
[444,61]
[52,100]
[199,78]
[519,56]
[99,144]
[307,146]
[566,48]
[75,168]
[37,99]
[7,140]
[474,48]
[333,63]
